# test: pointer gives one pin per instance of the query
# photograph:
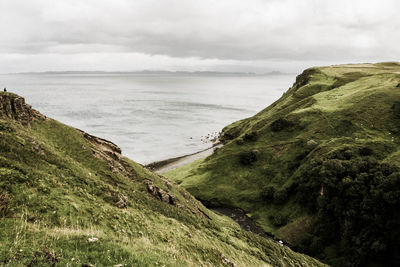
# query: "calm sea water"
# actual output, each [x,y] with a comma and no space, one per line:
[151,117]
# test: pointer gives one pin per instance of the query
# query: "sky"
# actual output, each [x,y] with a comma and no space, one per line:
[195,35]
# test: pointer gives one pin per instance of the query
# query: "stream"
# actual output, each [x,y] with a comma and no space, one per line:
[244,221]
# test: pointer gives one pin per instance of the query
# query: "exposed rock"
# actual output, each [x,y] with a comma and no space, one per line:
[108,147]
[37,147]
[122,202]
[14,107]
[312,144]
[304,77]
[180,206]
[107,151]
[168,184]
[93,239]
[160,193]
[226,261]
[186,195]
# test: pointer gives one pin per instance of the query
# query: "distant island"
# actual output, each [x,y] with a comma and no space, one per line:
[158,72]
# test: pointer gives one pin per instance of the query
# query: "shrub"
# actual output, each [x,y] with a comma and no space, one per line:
[253,136]
[267,193]
[278,219]
[280,196]
[365,151]
[357,199]
[249,157]
[4,127]
[281,124]
[239,141]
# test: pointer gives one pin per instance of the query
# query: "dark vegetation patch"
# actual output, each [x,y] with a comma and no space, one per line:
[267,193]
[280,196]
[345,127]
[239,141]
[248,157]
[252,136]
[281,124]
[278,219]
[230,134]
[357,200]
[396,109]
[5,127]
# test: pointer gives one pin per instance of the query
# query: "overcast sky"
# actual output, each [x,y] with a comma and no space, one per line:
[223,35]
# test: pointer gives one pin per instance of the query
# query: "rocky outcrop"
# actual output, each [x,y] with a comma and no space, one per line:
[159,193]
[227,262]
[107,146]
[14,107]
[122,202]
[108,151]
[304,77]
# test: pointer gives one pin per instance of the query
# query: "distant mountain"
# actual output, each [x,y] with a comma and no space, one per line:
[156,72]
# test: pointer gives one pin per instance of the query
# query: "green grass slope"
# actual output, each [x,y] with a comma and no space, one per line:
[70,199]
[318,168]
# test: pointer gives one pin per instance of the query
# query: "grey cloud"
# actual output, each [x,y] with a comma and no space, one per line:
[226,29]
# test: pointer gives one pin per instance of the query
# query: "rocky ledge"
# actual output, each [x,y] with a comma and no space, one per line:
[14,107]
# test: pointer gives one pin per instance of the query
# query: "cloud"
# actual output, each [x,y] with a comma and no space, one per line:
[224,30]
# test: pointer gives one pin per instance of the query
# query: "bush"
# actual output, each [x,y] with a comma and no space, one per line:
[253,136]
[357,200]
[267,193]
[281,124]
[278,219]
[5,127]
[249,157]
[365,151]
[239,141]
[280,196]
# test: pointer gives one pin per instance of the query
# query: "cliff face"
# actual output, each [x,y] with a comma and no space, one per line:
[14,107]
[71,199]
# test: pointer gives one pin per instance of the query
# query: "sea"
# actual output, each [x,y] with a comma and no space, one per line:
[150,116]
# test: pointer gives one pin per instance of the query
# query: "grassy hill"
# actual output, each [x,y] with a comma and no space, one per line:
[318,168]
[71,199]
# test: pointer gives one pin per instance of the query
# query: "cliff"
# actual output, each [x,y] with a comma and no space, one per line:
[14,107]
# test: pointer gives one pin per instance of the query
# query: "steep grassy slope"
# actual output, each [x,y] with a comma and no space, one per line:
[319,167]
[69,199]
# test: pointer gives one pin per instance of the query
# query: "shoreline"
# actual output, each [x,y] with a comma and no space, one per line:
[173,163]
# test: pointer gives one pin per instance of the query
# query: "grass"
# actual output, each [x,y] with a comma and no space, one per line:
[59,207]
[328,108]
